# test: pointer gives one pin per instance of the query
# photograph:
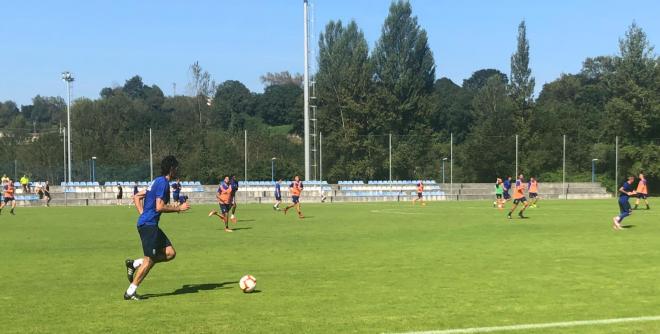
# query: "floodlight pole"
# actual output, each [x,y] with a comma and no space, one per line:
[151,157]
[616,164]
[272,169]
[451,164]
[390,157]
[68,78]
[64,151]
[306,92]
[593,170]
[443,170]
[320,156]
[246,157]
[563,177]
[93,169]
[516,156]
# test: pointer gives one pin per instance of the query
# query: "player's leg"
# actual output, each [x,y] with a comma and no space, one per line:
[636,203]
[300,215]
[525,205]
[294,199]
[513,209]
[233,209]
[225,216]
[153,241]
[2,205]
[13,206]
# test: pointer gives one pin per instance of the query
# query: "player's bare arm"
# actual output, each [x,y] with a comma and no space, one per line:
[168,208]
[138,200]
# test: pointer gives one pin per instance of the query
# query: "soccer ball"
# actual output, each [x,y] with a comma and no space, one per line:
[247,283]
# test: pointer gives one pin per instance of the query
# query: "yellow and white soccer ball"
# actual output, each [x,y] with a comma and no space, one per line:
[247,283]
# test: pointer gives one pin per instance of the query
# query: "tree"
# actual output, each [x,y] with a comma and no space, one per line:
[8,111]
[343,85]
[231,104]
[200,86]
[480,77]
[404,67]
[278,105]
[281,78]
[635,104]
[134,87]
[522,81]
[485,153]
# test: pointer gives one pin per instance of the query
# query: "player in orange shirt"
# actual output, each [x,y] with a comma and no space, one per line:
[533,187]
[296,187]
[519,197]
[8,189]
[642,192]
[223,196]
[420,193]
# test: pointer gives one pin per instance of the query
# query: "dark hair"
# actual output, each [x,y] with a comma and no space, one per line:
[168,164]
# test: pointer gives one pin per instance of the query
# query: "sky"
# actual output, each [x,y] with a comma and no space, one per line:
[104,43]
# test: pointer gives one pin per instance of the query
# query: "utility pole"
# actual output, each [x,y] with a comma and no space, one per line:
[68,78]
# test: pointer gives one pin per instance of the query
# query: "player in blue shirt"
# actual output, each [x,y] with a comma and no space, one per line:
[278,195]
[507,186]
[625,192]
[176,191]
[155,244]
[234,189]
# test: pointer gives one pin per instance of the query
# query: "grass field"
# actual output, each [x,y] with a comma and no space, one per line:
[347,268]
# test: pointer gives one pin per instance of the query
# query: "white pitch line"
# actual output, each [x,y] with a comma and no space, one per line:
[538,326]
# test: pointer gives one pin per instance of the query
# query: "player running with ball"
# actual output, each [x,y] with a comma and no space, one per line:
[155,244]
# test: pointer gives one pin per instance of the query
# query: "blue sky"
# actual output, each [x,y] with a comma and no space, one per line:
[106,42]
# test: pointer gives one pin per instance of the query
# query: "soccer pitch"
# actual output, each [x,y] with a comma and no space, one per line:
[346,268]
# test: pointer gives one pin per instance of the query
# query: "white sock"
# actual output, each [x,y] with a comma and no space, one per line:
[131,289]
[137,263]
[232,216]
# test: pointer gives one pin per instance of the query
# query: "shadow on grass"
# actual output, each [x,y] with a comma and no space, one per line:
[236,228]
[245,220]
[190,288]
[627,226]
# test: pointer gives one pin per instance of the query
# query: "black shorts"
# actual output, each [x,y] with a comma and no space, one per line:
[232,200]
[278,198]
[154,240]
[175,197]
[642,196]
[506,195]
[498,196]
[224,208]
[419,195]
[46,194]
[8,199]
[520,200]
[295,199]
[533,195]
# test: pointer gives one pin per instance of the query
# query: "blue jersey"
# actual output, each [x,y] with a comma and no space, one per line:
[160,188]
[627,187]
[278,191]
[507,185]
[177,188]
[234,185]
